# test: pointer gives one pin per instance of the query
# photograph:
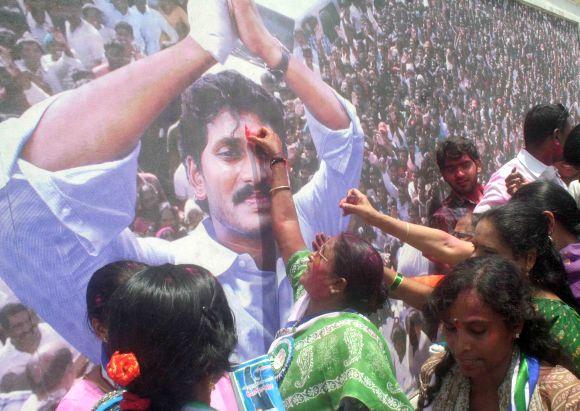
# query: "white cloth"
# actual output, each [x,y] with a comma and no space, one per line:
[59,73]
[211,27]
[495,192]
[152,25]
[183,190]
[411,262]
[13,401]
[574,189]
[70,222]
[13,360]
[107,34]
[113,16]
[35,94]
[39,31]
[86,43]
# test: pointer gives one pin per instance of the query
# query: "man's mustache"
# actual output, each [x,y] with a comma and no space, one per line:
[248,190]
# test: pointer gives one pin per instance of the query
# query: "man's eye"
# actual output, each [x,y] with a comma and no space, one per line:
[228,153]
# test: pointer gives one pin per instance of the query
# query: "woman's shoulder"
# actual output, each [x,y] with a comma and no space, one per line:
[359,321]
[344,325]
[83,395]
[559,388]
[553,308]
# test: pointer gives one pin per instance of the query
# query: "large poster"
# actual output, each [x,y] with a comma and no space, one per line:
[408,74]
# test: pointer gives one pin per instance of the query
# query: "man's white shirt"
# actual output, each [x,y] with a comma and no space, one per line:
[495,191]
[86,43]
[152,25]
[63,226]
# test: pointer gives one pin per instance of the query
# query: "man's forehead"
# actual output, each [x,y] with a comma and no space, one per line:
[18,317]
[457,160]
[231,124]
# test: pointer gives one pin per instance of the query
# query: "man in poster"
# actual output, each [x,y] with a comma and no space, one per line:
[67,186]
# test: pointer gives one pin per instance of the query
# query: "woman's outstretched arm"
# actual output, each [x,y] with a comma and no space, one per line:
[433,243]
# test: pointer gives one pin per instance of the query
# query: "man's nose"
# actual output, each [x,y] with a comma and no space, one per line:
[253,168]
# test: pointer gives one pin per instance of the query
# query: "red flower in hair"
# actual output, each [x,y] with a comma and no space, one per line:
[123,368]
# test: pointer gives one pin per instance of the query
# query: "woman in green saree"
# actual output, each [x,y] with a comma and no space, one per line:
[330,357]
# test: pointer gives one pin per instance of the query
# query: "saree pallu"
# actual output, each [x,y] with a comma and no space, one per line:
[556,388]
[338,356]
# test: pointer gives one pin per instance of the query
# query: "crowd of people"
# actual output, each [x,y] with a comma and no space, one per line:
[406,107]
[419,72]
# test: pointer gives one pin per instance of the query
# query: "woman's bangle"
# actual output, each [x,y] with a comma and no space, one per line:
[276,160]
[279,188]
[397,282]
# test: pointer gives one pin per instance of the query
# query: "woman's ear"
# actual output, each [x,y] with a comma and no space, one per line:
[100,330]
[551,221]
[338,285]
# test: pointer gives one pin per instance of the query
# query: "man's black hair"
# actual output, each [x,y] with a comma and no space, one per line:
[8,311]
[13,20]
[115,45]
[572,147]
[541,121]
[453,148]
[123,25]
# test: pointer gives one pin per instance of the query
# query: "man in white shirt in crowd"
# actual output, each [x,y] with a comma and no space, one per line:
[94,16]
[59,63]
[26,338]
[115,11]
[30,64]
[37,18]
[153,26]
[568,168]
[83,39]
[90,161]
[546,128]
[124,35]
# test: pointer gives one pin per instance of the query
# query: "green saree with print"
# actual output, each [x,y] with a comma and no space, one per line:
[338,356]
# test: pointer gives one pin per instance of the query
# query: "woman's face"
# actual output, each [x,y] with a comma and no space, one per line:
[319,278]
[478,337]
[487,241]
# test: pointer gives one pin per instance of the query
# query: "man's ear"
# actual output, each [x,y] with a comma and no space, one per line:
[557,135]
[195,179]
[478,165]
